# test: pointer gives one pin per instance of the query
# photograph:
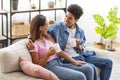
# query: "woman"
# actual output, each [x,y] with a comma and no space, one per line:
[45,55]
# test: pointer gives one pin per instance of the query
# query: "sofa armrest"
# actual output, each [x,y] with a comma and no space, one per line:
[9,56]
[114,56]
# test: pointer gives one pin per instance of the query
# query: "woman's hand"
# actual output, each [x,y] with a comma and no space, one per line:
[79,63]
[70,59]
[51,51]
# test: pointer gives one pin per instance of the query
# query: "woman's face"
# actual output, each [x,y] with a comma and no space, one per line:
[44,28]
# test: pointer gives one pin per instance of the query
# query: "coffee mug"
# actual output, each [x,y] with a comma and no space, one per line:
[56,47]
[72,42]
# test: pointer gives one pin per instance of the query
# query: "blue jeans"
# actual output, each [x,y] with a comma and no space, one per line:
[104,64]
[70,71]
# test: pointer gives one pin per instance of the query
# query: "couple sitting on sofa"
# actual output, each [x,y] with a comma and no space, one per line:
[77,61]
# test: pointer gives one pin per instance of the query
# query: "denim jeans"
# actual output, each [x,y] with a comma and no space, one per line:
[70,71]
[82,58]
[104,64]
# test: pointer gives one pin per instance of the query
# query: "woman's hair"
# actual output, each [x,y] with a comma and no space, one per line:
[76,10]
[37,21]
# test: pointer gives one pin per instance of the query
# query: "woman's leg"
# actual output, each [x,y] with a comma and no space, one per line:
[63,72]
[94,75]
[67,73]
[87,69]
[95,72]
[81,57]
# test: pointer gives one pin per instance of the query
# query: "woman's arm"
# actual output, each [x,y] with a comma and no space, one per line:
[35,59]
[43,61]
[67,57]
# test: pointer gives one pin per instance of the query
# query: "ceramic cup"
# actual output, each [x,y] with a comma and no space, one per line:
[56,47]
[72,42]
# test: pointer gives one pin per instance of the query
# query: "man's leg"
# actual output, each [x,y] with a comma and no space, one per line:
[104,64]
[82,58]
[87,69]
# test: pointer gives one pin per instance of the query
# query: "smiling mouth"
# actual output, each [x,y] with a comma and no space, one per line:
[66,23]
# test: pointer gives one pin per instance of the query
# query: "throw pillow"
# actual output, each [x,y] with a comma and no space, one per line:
[9,56]
[36,70]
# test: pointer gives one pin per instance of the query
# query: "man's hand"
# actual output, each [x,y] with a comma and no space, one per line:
[78,44]
[30,44]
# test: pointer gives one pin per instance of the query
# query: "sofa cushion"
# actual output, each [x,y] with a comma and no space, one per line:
[16,76]
[36,70]
[9,58]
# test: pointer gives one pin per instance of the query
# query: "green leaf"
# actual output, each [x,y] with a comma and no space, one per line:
[111,31]
[117,21]
[99,30]
[113,12]
[112,15]
[112,36]
[99,20]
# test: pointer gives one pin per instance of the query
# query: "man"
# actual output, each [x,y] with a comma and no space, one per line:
[63,32]
[66,32]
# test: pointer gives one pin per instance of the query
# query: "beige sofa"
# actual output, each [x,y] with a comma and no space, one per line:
[9,61]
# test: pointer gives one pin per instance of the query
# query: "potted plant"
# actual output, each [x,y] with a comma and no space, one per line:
[107,30]
[14,4]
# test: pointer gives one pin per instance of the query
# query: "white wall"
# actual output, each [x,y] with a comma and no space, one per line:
[86,21]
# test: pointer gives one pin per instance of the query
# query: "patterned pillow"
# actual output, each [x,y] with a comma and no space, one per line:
[36,70]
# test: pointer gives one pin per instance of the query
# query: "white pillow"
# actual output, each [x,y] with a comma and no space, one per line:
[9,56]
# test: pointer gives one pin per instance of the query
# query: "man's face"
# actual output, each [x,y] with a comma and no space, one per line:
[70,20]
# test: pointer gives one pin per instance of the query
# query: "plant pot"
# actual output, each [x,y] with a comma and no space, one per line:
[14,4]
[99,45]
[110,47]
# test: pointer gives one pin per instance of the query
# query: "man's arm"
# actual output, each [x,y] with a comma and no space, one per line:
[29,43]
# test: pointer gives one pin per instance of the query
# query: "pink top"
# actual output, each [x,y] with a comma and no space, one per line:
[42,48]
